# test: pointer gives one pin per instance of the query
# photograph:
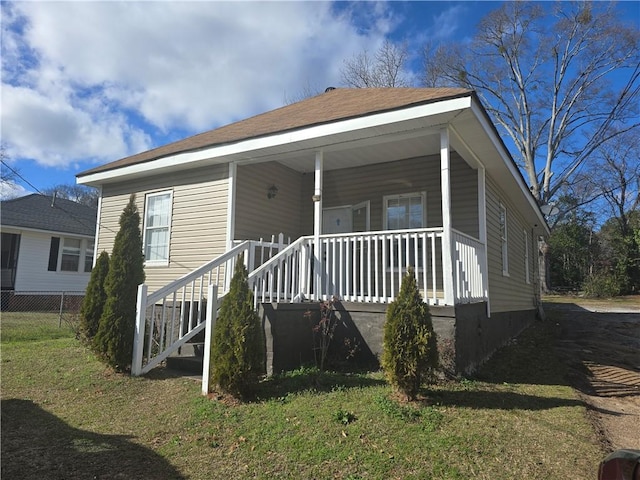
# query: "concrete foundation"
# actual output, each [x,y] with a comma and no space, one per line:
[466,336]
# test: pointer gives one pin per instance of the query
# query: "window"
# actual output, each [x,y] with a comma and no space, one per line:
[157,221]
[67,254]
[503,239]
[88,257]
[526,257]
[71,250]
[404,211]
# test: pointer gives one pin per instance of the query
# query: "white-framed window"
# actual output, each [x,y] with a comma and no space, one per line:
[401,212]
[71,252]
[527,278]
[71,255]
[157,228]
[407,210]
[504,240]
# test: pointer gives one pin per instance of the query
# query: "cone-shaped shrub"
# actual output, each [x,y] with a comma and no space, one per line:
[409,352]
[114,339]
[94,299]
[237,348]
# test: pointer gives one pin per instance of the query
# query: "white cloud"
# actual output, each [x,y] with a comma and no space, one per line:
[95,80]
[9,190]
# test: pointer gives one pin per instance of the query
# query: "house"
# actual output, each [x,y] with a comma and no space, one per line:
[364,182]
[47,245]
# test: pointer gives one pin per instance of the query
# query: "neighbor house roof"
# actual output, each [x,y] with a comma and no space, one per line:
[333,105]
[42,212]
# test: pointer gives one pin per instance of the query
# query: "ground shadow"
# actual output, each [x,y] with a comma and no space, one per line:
[38,445]
[556,351]
[499,400]
[279,386]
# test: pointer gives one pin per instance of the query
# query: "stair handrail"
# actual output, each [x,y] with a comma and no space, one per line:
[203,269]
[276,258]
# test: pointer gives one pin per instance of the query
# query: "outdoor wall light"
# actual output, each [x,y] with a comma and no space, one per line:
[272,192]
[316,198]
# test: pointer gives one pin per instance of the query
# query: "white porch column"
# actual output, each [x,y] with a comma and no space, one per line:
[231,203]
[482,233]
[445,181]
[317,226]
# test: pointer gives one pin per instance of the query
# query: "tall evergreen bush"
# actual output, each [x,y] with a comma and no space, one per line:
[94,299]
[410,352]
[114,339]
[237,349]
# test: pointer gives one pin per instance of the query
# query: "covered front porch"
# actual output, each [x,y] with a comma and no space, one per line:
[370,220]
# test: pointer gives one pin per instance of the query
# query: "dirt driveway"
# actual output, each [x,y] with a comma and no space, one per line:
[600,342]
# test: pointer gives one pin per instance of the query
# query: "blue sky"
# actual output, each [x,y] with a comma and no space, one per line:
[85,83]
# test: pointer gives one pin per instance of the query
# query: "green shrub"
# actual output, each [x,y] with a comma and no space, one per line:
[409,352]
[94,299]
[114,339]
[237,349]
[602,285]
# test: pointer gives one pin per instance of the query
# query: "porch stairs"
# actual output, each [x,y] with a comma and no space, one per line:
[363,267]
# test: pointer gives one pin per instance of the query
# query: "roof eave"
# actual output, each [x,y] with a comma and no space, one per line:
[256,147]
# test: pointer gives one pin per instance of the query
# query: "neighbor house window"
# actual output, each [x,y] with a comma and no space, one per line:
[70,255]
[71,252]
[88,256]
[157,223]
[503,240]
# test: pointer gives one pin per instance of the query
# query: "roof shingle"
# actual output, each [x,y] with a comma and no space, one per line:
[331,106]
[40,213]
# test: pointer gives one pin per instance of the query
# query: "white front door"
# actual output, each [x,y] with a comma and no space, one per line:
[337,220]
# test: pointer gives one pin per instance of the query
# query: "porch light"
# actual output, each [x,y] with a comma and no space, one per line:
[272,191]
[316,198]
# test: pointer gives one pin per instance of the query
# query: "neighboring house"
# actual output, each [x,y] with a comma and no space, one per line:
[364,182]
[47,244]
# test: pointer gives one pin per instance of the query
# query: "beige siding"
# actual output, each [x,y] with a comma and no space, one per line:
[198,223]
[260,217]
[508,293]
[351,186]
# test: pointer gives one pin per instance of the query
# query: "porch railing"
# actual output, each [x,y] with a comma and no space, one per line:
[369,266]
[356,267]
[173,315]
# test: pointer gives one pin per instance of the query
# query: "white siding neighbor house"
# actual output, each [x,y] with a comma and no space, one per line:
[334,197]
[47,244]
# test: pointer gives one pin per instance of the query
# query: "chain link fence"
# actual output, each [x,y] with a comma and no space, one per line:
[64,305]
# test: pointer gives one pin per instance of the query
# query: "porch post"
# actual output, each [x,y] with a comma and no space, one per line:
[138,336]
[482,234]
[317,227]
[445,181]
[231,203]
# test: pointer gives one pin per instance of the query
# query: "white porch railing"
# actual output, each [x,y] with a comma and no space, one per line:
[171,316]
[369,266]
[356,267]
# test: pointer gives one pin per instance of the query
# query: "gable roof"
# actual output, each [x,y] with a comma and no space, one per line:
[38,212]
[333,105]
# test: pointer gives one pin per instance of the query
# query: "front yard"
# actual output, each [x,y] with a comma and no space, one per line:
[65,416]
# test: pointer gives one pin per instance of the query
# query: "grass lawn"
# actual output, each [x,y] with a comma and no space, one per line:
[65,416]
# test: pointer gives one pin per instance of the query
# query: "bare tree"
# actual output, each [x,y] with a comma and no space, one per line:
[617,177]
[77,193]
[547,80]
[8,176]
[386,68]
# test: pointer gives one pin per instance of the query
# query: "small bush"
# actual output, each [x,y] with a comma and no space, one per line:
[237,349]
[94,299]
[410,352]
[602,285]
